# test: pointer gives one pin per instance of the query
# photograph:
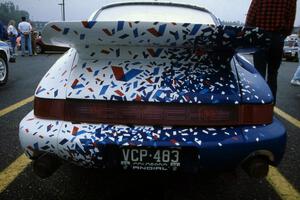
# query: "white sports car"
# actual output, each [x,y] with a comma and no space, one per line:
[153,86]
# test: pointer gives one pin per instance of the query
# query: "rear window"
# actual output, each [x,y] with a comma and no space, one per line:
[155,13]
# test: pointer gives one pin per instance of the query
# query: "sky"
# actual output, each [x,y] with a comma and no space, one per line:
[49,10]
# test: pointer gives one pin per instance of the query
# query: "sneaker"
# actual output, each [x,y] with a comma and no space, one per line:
[295,82]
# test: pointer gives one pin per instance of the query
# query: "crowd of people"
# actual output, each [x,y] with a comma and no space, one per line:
[24,30]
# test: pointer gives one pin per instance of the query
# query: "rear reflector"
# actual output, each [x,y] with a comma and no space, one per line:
[141,113]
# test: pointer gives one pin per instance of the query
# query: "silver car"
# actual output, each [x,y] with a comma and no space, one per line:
[4,58]
[291,49]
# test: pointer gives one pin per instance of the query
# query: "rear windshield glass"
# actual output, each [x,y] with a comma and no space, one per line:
[155,13]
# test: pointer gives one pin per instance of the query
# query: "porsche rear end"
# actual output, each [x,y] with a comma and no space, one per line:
[162,96]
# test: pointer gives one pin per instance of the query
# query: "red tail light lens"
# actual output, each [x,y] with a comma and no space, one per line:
[140,113]
[49,108]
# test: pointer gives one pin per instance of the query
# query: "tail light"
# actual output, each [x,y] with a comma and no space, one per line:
[141,113]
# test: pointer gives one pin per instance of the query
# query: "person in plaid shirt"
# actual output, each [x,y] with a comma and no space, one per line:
[276,17]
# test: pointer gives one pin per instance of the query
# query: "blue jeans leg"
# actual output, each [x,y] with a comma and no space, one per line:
[13,44]
[23,44]
[260,62]
[267,61]
[29,44]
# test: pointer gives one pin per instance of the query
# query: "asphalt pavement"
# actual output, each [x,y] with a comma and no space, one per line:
[71,182]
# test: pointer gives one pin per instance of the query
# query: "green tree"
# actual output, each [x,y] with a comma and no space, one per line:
[8,11]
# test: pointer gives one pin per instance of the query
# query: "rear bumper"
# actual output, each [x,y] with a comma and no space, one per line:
[87,144]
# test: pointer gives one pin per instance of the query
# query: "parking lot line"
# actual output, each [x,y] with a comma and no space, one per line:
[287,117]
[9,174]
[16,106]
[282,186]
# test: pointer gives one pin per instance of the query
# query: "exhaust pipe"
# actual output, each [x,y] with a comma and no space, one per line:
[45,165]
[256,167]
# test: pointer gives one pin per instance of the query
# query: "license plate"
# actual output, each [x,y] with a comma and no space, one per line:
[150,159]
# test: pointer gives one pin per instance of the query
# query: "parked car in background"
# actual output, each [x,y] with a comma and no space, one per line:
[140,90]
[5,57]
[41,47]
[291,48]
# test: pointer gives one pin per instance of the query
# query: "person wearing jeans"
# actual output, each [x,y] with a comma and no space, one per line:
[276,17]
[26,40]
[268,61]
[25,31]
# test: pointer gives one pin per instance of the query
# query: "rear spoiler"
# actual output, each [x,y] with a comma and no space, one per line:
[152,34]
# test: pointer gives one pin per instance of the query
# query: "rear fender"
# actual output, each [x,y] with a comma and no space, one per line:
[53,85]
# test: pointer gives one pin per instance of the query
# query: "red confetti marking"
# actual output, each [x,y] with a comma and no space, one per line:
[187,98]
[85,24]
[90,89]
[118,92]
[107,32]
[151,51]
[74,83]
[89,69]
[200,52]
[118,72]
[149,80]
[75,130]
[105,51]
[56,28]
[207,82]
[138,98]
[154,32]
[26,130]
[173,141]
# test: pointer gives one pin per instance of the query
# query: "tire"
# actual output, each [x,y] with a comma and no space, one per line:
[38,49]
[3,71]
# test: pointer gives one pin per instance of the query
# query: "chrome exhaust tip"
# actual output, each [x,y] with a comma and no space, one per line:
[45,165]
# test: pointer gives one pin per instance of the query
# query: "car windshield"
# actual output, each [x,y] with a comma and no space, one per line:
[155,13]
[290,43]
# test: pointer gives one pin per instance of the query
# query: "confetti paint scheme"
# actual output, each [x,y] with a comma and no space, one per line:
[84,144]
[151,74]
[157,62]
